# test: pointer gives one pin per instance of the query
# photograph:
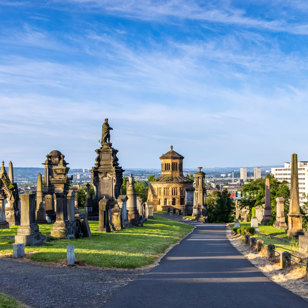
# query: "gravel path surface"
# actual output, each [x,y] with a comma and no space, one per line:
[38,285]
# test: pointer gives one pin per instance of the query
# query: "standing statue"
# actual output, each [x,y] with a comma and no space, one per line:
[106,132]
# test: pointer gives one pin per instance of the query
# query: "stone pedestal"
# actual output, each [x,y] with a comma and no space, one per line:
[280,219]
[60,228]
[131,206]
[116,218]
[40,209]
[295,227]
[28,232]
[49,208]
[294,217]
[104,215]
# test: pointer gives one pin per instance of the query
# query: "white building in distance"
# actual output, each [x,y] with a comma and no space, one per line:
[243,174]
[257,173]
[284,174]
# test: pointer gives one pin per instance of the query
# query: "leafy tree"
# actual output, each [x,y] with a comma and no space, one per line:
[220,207]
[141,188]
[254,193]
[152,178]
[81,196]
[123,187]
[191,176]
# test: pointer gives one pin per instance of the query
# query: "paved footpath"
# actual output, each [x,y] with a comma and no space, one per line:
[204,270]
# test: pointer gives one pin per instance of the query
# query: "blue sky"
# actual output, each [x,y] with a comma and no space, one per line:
[225,82]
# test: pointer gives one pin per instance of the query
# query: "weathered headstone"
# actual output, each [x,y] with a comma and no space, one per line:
[294,217]
[71,207]
[267,206]
[122,201]
[285,259]
[18,250]
[303,244]
[70,255]
[237,224]
[28,232]
[280,218]
[254,223]
[188,209]
[104,215]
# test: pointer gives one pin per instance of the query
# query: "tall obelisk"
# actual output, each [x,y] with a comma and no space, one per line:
[267,207]
[294,216]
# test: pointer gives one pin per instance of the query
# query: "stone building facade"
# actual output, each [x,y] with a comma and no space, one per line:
[169,190]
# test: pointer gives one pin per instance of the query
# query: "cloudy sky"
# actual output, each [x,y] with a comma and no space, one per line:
[225,82]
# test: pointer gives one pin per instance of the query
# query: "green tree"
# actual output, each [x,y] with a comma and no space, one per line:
[141,188]
[254,193]
[220,207]
[191,176]
[152,178]
[81,196]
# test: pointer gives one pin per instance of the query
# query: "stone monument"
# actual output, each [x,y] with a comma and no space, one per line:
[132,211]
[267,206]
[40,209]
[3,223]
[280,219]
[60,181]
[107,173]
[294,216]
[200,194]
[9,192]
[28,232]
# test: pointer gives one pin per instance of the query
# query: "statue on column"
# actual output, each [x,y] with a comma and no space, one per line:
[106,132]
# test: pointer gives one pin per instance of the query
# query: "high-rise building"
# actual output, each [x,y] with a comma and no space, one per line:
[284,174]
[257,173]
[243,174]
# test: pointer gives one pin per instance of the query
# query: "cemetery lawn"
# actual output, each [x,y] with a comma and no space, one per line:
[9,302]
[129,248]
[287,243]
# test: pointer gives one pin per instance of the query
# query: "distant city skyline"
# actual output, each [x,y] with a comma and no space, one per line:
[224,82]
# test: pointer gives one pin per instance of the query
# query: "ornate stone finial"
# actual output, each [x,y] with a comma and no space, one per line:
[200,168]
[171,147]
[11,172]
[61,163]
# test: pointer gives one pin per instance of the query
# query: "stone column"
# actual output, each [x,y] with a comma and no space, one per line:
[40,209]
[267,207]
[28,232]
[122,204]
[199,202]
[294,216]
[59,229]
[11,172]
[280,219]
[131,206]
[3,223]
[71,207]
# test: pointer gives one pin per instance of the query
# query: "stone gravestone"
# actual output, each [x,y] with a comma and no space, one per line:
[254,223]
[70,255]
[122,204]
[28,232]
[260,213]
[280,219]
[237,224]
[294,217]
[18,250]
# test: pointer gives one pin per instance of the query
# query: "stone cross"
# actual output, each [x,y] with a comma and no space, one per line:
[294,216]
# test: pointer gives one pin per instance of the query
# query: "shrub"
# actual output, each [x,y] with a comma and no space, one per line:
[247,230]
[235,230]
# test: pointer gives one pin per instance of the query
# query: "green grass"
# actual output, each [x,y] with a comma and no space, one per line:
[189,217]
[290,245]
[129,248]
[162,212]
[9,302]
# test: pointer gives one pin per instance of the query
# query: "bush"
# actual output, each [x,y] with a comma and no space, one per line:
[235,230]
[253,212]
[247,230]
